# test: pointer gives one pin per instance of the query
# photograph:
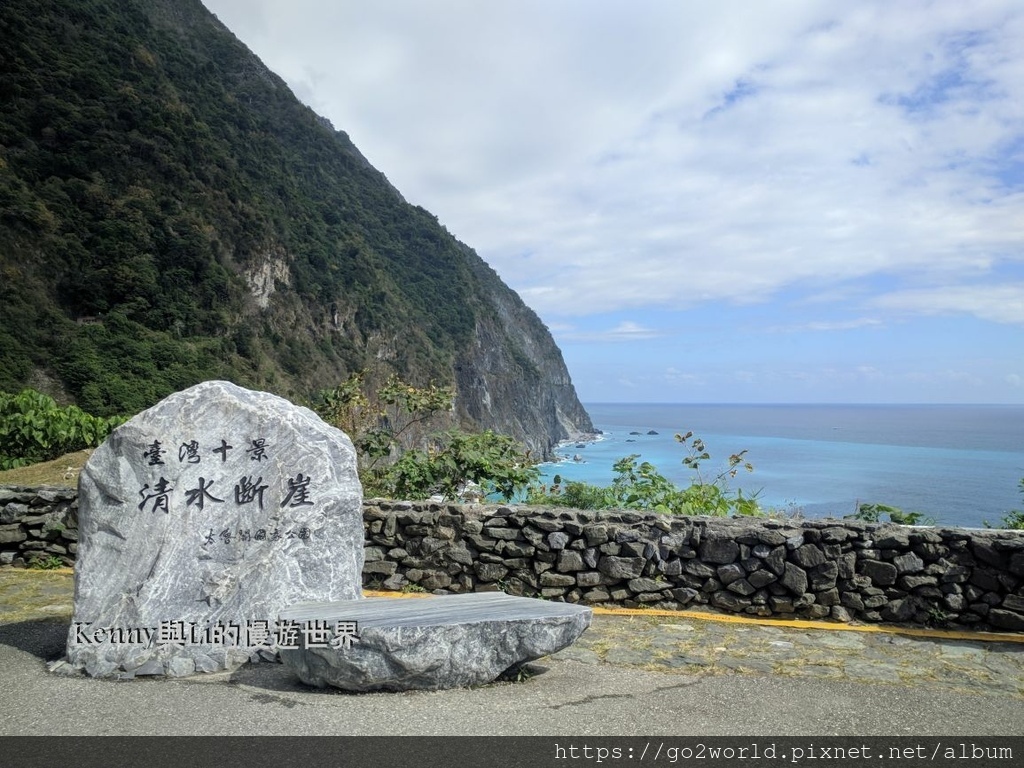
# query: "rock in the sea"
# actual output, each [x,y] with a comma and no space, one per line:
[199,520]
[448,641]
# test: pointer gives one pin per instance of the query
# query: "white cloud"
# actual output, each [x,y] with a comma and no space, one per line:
[627,330]
[869,372]
[962,377]
[677,153]
[829,325]
[675,376]
[997,303]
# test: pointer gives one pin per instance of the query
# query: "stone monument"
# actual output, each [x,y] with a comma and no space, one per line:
[202,518]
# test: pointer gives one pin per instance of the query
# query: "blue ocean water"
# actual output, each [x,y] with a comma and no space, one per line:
[959,464]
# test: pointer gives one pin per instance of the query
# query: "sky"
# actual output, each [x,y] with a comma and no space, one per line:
[776,201]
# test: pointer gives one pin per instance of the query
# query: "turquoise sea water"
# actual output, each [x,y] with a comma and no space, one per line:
[960,464]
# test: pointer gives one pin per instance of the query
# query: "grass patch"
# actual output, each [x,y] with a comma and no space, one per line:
[62,471]
[32,595]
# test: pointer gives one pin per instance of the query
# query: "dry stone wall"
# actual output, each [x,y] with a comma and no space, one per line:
[38,526]
[815,569]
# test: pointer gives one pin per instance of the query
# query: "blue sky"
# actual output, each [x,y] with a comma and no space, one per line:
[782,201]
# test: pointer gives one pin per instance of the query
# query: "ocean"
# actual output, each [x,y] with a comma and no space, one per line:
[958,464]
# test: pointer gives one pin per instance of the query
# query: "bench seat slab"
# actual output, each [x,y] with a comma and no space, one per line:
[446,641]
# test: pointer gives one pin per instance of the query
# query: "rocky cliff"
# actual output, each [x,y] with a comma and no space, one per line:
[512,373]
[170,212]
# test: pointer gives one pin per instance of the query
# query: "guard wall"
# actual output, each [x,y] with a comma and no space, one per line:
[815,569]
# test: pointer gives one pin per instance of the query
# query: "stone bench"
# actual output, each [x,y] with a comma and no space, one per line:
[445,641]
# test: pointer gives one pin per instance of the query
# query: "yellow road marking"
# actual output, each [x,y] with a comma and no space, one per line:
[726,618]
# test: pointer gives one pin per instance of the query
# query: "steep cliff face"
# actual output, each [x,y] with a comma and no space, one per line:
[170,213]
[513,374]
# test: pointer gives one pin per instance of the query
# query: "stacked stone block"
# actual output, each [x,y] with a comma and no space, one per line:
[38,526]
[844,570]
[816,569]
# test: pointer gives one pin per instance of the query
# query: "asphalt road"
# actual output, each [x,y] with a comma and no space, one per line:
[566,697]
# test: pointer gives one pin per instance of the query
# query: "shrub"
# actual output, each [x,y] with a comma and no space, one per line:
[380,423]
[496,463]
[34,428]
[875,513]
[49,563]
[640,486]
[1014,519]
[389,427]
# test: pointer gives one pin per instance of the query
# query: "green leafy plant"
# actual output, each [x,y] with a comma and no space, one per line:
[518,674]
[46,563]
[712,494]
[401,457]
[382,422]
[1014,519]
[937,617]
[639,485]
[574,494]
[877,513]
[496,463]
[33,428]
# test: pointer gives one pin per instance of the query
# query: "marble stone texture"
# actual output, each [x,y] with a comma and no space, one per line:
[446,641]
[209,513]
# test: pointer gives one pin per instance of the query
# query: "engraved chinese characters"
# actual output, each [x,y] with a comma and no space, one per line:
[218,506]
[247,489]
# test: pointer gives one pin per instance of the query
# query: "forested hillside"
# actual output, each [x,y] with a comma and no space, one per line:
[170,213]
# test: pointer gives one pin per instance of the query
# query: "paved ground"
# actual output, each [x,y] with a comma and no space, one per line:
[882,658]
[647,675]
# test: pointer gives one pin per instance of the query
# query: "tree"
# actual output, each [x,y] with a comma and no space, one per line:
[496,463]
[403,455]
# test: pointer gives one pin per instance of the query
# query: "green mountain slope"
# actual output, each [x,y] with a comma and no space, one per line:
[169,213]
